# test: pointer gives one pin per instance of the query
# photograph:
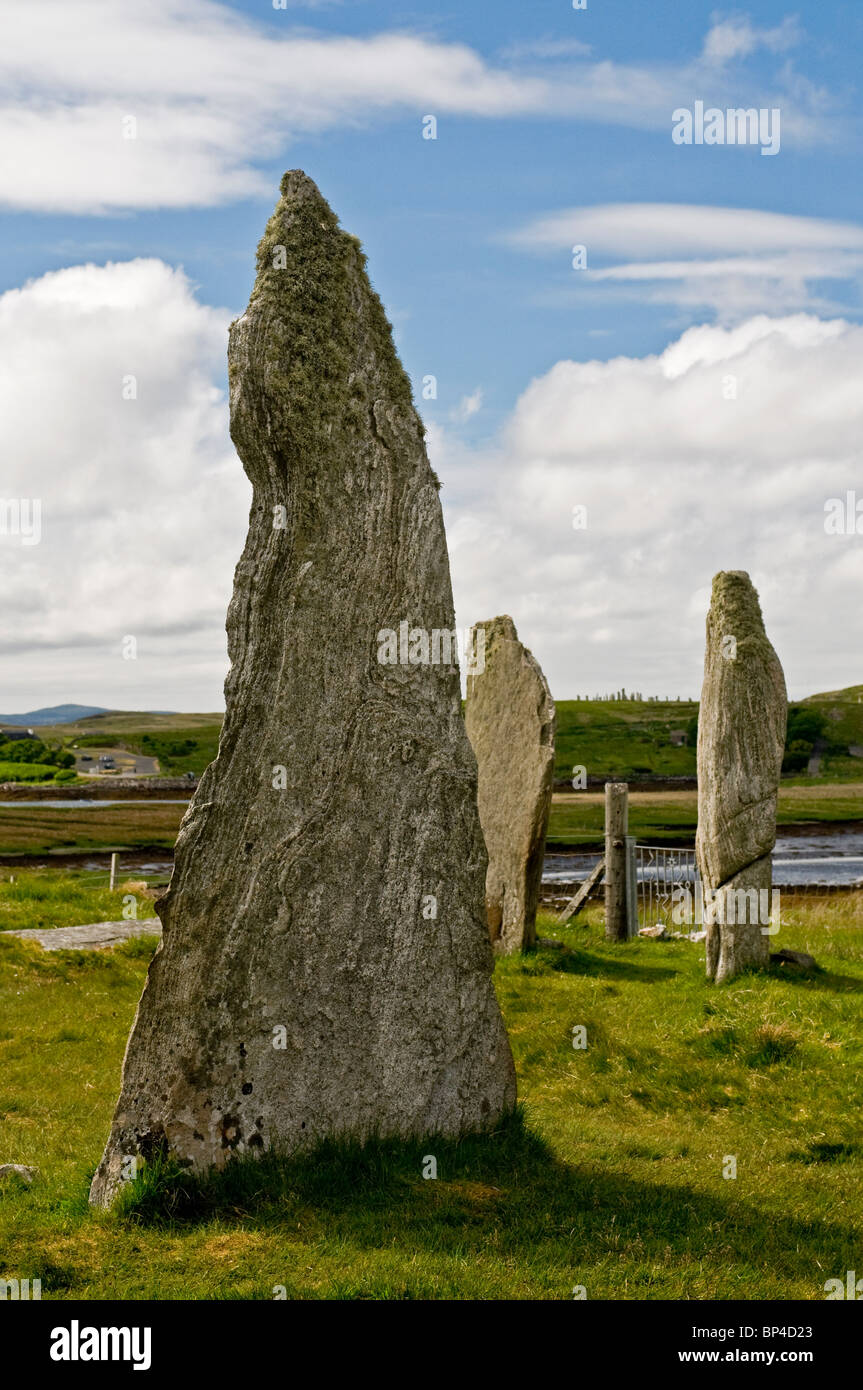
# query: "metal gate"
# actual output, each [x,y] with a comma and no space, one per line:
[665,879]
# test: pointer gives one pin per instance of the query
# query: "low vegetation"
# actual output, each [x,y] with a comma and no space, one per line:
[614,1175]
[38,830]
[32,760]
[623,738]
[48,898]
[630,739]
[670,817]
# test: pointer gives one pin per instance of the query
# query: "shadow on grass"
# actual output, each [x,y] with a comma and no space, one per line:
[822,1151]
[505,1191]
[819,978]
[571,960]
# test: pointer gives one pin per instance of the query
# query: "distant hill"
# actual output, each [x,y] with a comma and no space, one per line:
[54,714]
[852,694]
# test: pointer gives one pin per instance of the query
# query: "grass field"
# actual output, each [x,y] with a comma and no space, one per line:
[628,739]
[612,1178]
[577,818]
[625,739]
[28,772]
[48,898]
[127,825]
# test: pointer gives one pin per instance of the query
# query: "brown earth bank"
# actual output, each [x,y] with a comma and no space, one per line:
[130,859]
[121,789]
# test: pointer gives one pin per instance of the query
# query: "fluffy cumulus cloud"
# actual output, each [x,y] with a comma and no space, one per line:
[175,103]
[115,421]
[719,453]
[732,260]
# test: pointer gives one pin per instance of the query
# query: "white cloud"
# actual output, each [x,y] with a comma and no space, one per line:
[213,94]
[144,502]
[738,38]
[664,229]
[680,479]
[735,260]
[468,405]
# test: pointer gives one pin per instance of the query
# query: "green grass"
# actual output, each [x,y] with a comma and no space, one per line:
[128,825]
[577,818]
[623,739]
[610,1177]
[628,739]
[46,898]
[27,772]
[844,711]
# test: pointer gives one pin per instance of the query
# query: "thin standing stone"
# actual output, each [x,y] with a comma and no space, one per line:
[741,739]
[510,719]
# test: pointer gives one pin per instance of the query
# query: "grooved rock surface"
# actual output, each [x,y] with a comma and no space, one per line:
[510,718]
[741,738]
[324,967]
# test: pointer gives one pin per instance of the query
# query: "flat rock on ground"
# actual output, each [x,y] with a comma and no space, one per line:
[93,936]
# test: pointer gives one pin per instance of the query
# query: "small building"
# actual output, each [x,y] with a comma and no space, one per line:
[678,737]
[17,732]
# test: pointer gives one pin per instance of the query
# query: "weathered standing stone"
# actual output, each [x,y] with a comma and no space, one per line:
[741,738]
[324,968]
[510,719]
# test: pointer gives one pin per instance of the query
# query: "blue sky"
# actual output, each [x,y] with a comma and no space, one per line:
[433,215]
[553,127]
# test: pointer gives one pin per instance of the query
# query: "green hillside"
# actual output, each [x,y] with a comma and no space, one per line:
[624,738]
[842,713]
[178,750]
[181,742]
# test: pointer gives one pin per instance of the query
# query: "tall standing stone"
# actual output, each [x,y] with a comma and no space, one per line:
[741,738]
[510,718]
[324,968]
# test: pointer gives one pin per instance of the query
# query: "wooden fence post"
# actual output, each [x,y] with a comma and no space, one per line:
[114,858]
[616,826]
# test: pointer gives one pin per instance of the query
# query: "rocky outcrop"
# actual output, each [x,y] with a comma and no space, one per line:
[325,968]
[510,718]
[741,738]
